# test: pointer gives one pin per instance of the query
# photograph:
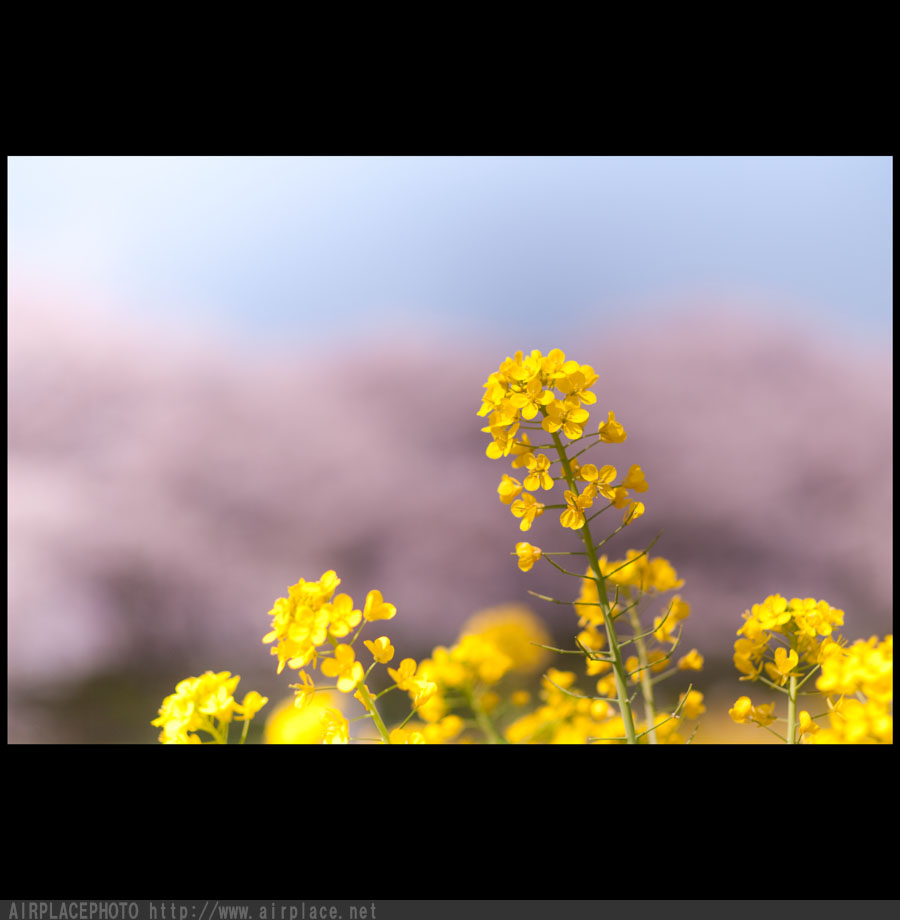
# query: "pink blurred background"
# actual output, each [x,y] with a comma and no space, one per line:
[169,477]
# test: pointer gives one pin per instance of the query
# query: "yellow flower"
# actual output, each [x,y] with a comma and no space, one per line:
[595,666]
[573,379]
[612,431]
[335,728]
[563,679]
[633,512]
[343,616]
[520,370]
[567,415]
[633,668]
[435,707]
[663,628]
[406,736]
[573,516]
[530,401]
[206,704]
[693,706]
[746,659]
[404,675]
[289,725]
[495,390]
[742,709]
[502,425]
[511,632]
[785,662]
[856,722]
[305,690]
[442,731]
[592,640]
[528,555]
[635,479]
[482,657]
[344,667]
[528,508]
[539,477]
[588,604]
[216,695]
[681,609]
[421,691]
[381,649]
[300,620]
[489,701]
[521,451]
[376,608]
[602,479]
[503,441]
[772,612]
[693,661]
[252,704]
[587,473]
[508,489]
[807,725]
[865,667]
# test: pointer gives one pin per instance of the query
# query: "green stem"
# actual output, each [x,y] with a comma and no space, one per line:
[792,711]
[369,703]
[646,682]
[618,667]
[810,674]
[484,720]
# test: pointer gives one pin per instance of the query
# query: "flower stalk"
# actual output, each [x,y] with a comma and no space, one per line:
[611,637]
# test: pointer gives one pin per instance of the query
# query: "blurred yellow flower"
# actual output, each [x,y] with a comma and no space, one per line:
[289,725]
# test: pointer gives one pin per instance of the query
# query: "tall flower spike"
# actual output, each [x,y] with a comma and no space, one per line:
[569,716]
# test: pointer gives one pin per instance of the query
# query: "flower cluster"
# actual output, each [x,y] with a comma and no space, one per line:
[205,704]
[780,636]
[556,390]
[310,626]
[633,577]
[744,711]
[629,625]
[785,642]
[310,616]
[866,667]
[864,670]
[567,716]
[493,644]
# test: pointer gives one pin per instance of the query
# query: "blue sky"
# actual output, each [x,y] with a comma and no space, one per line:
[269,247]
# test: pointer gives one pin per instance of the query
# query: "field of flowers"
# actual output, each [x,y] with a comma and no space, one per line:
[501,681]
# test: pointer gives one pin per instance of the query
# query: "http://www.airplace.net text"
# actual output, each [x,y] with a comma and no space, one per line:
[189,910]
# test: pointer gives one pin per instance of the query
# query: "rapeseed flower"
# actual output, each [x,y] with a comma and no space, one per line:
[528,555]
[345,667]
[381,649]
[204,704]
